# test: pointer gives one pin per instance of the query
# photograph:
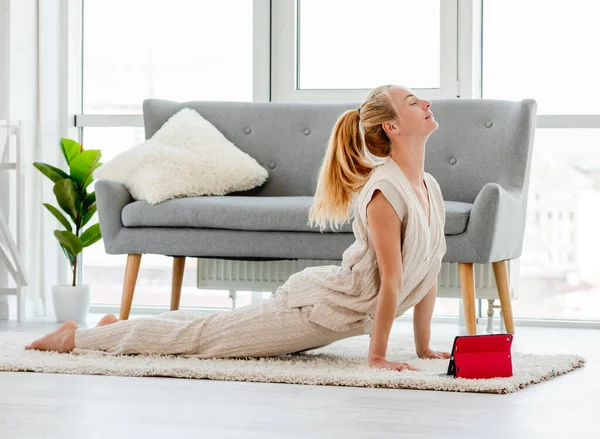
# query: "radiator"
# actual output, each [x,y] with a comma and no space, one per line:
[219,274]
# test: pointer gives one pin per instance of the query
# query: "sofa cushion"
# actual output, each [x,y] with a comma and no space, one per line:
[225,212]
[186,157]
[252,213]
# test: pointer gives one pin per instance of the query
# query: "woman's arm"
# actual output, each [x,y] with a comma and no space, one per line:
[422,325]
[385,226]
[387,302]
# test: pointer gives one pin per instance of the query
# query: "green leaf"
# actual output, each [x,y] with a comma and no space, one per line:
[71,244]
[88,201]
[82,167]
[91,235]
[88,215]
[51,172]
[59,216]
[68,198]
[68,255]
[70,149]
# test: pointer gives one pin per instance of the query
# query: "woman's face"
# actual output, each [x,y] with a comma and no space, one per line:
[415,117]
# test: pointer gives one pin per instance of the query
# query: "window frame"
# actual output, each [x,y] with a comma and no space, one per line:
[275,72]
[261,66]
[558,121]
[285,66]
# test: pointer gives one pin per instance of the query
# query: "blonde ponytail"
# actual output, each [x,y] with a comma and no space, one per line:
[347,164]
[345,169]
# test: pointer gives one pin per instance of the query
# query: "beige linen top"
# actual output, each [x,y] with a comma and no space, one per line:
[345,297]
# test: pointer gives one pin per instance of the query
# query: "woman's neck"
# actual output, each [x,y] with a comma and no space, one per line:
[410,157]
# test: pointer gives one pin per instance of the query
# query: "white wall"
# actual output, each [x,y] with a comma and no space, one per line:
[23,65]
[23,108]
[49,266]
[4,33]
[34,51]
[4,41]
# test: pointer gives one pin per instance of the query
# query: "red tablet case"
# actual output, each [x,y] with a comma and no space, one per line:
[481,356]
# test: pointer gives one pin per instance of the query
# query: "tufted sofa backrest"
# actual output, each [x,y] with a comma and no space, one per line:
[478,141]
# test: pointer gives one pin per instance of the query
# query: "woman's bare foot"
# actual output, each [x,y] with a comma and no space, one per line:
[107,320]
[62,340]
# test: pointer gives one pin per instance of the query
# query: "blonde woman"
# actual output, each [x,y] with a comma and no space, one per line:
[392,266]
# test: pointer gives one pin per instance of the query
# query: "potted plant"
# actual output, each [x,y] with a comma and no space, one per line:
[71,302]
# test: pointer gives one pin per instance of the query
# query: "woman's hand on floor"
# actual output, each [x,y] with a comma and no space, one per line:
[382,363]
[434,355]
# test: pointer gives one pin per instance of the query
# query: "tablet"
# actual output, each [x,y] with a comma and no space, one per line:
[481,356]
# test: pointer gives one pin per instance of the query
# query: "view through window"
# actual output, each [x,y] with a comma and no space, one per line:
[548,57]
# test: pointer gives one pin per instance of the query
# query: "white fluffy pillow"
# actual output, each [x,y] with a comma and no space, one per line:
[186,157]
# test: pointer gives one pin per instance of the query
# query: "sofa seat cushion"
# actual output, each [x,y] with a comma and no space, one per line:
[252,213]
[457,217]
[225,212]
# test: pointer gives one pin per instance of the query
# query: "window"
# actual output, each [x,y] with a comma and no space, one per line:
[543,50]
[346,44]
[180,50]
[177,49]
[319,51]
[336,50]
[559,267]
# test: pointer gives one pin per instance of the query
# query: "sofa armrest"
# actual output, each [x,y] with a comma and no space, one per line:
[497,223]
[111,198]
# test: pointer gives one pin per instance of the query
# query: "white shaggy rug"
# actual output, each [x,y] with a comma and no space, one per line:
[342,363]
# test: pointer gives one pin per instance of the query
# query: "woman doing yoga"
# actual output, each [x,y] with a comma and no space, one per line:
[373,170]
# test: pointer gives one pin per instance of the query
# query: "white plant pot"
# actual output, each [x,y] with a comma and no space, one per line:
[71,303]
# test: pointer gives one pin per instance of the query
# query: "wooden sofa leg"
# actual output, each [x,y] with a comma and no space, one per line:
[467,284]
[131,273]
[501,275]
[178,267]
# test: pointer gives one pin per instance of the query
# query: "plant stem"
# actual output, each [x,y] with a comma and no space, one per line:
[77,227]
[74,271]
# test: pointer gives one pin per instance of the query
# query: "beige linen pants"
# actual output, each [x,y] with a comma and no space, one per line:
[270,328]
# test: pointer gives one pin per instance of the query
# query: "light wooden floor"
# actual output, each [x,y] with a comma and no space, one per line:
[71,406]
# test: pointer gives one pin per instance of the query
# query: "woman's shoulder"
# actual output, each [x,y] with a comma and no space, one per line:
[378,179]
[384,183]
[380,173]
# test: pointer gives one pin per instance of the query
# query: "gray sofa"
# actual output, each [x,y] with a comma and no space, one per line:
[480,155]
